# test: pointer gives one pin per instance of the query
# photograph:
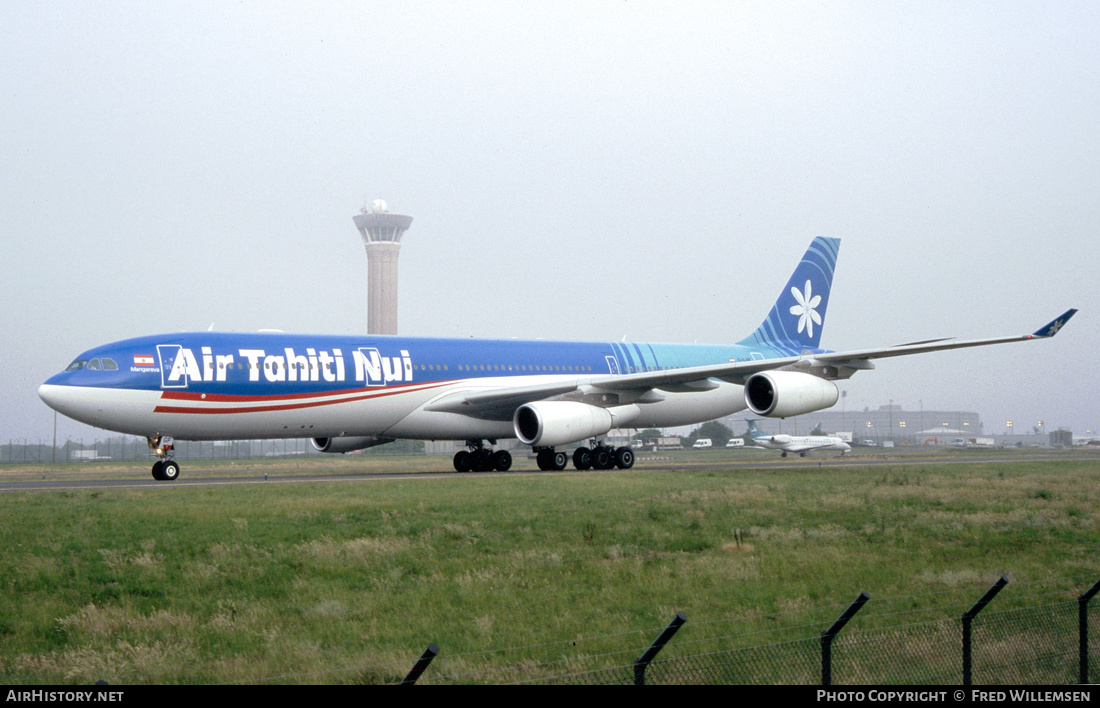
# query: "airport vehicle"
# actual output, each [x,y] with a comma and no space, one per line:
[702,443]
[796,443]
[352,392]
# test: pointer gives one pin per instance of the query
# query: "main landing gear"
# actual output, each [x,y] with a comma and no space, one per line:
[481,459]
[598,456]
[165,469]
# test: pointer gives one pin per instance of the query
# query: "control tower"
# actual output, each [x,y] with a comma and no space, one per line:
[381,232]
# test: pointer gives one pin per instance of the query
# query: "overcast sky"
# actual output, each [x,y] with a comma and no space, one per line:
[580,170]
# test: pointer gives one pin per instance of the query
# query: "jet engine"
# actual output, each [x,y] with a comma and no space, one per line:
[781,394]
[348,444]
[550,423]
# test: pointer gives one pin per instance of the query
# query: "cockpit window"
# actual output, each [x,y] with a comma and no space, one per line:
[103,364]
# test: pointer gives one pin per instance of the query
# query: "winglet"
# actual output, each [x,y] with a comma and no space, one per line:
[1052,328]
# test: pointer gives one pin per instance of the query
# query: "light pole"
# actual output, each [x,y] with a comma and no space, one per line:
[891,421]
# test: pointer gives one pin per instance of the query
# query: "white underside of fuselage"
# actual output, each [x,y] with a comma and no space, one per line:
[396,411]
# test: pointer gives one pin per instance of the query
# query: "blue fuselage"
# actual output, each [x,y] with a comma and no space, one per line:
[211,385]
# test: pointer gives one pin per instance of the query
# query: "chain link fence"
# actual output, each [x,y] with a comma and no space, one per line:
[1032,644]
[1028,646]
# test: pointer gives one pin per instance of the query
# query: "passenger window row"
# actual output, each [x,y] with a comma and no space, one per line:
[106,364]
[527,368]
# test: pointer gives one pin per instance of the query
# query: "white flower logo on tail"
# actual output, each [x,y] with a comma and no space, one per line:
[804,310]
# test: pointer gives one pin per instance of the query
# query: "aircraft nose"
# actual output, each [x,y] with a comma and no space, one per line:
[51,395]
[60,397]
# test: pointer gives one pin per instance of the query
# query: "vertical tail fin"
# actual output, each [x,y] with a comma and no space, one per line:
[754,432]
[798,316]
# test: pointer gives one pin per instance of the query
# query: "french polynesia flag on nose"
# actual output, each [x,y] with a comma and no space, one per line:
[143,360]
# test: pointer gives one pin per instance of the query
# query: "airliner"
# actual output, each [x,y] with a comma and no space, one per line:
[796,443]
[348,393]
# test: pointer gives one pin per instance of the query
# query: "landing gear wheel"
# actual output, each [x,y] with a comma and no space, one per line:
[602,458]
[582,458]
[166,470]
[462,461]
[170,471]
[481,460]
[624,458]
[502,460]
[551,461]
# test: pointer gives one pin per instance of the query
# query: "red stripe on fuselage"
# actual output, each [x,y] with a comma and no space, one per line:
[280,403]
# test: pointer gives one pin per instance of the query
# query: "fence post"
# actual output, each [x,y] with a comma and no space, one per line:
[421,665]
[651,653]
[828,635]
[1083,628]
[968,618]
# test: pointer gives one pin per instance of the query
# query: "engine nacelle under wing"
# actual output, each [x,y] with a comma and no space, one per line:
[550,423]
[348,444]
[781,394]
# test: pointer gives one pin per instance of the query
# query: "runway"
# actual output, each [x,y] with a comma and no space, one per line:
[83,476]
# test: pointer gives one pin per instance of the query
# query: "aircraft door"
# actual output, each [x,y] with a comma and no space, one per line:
[612,364]
[168,356]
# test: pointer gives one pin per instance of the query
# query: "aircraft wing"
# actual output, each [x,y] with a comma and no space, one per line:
[501,403]
[1049,330]
[695,378]
[692,378]
[498,403]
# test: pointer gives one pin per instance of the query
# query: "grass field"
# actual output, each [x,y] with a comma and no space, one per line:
[347,582]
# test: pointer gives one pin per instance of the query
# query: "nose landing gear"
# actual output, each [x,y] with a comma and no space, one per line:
[165,469]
